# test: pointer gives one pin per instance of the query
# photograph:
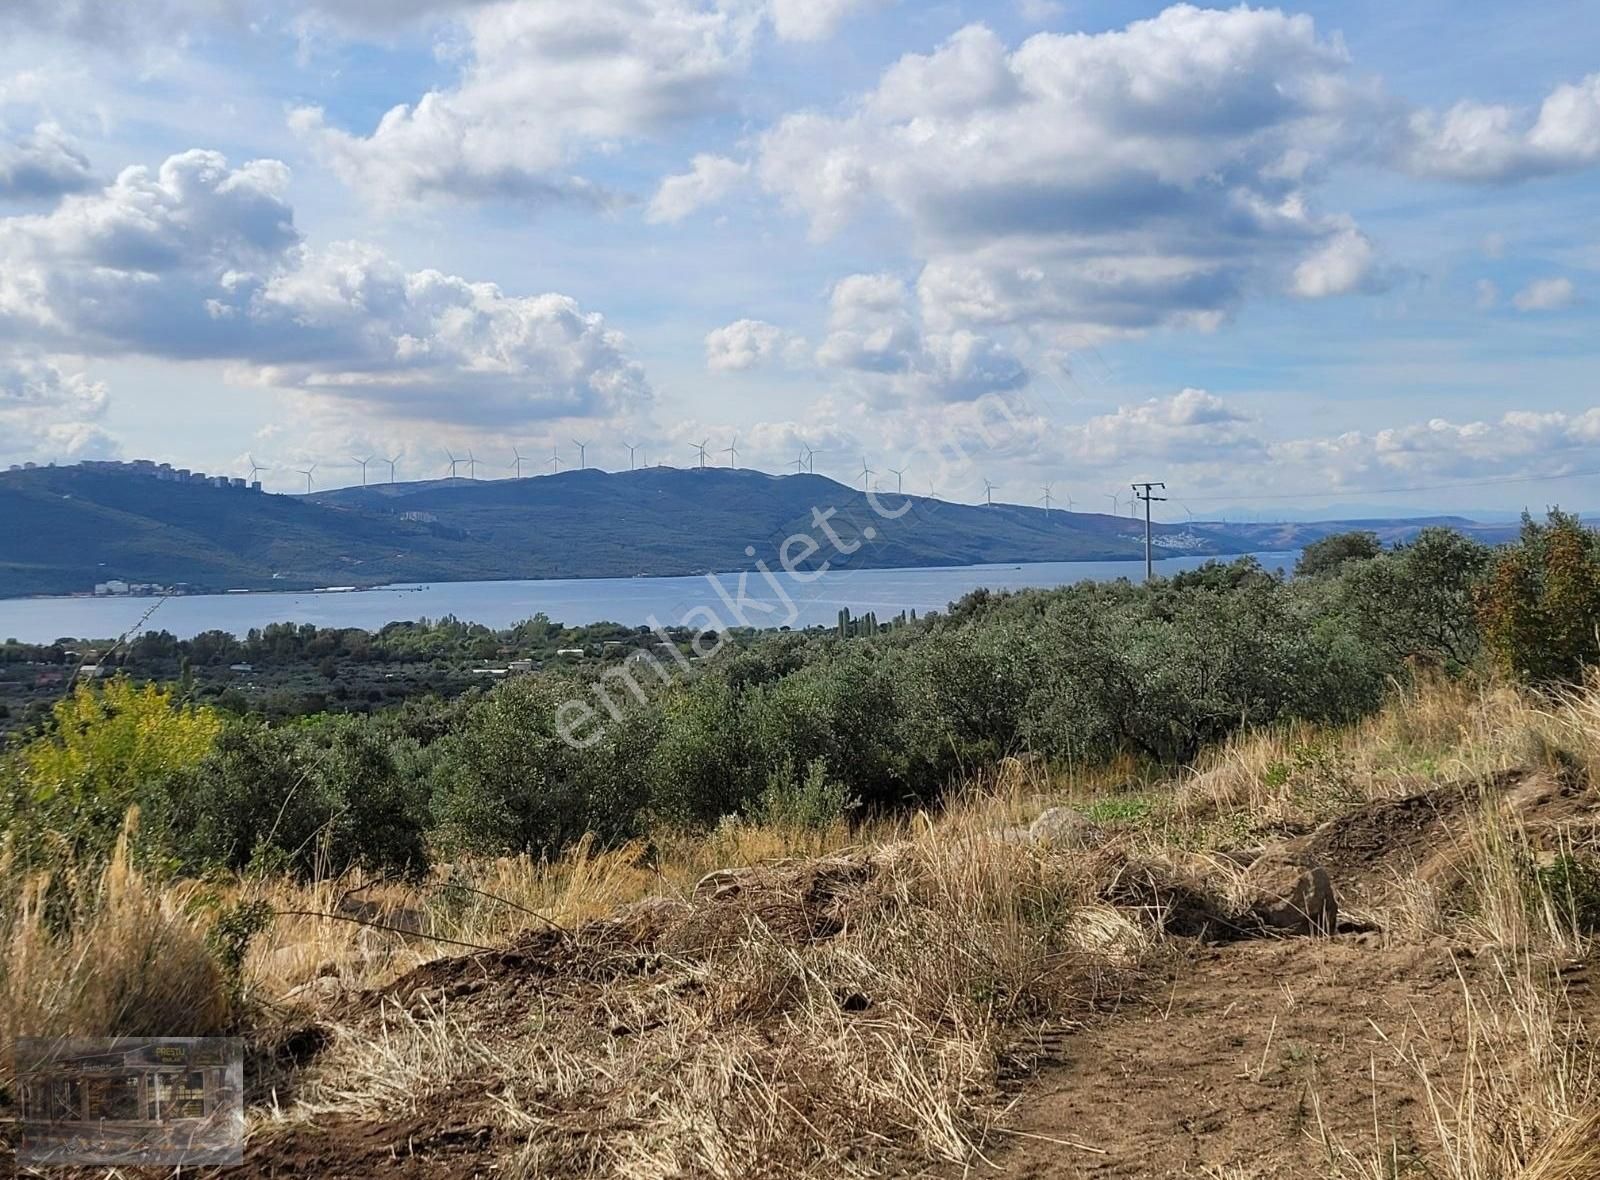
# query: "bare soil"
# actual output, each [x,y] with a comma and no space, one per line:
[1251,1050]
[1241,1059]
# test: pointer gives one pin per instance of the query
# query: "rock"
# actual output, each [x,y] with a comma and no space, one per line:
[1290,892]
[1240,858]
[316,993]
[1022,772]
[721,883]
[1063,827]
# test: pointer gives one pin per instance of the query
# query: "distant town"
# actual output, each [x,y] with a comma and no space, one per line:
[162,471]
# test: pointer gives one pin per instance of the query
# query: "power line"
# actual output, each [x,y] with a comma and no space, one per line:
[1141,491]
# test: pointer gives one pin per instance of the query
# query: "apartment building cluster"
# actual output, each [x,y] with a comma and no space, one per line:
[162,471]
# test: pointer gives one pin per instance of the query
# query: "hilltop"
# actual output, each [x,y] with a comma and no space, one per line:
[63,529]
[1064,975]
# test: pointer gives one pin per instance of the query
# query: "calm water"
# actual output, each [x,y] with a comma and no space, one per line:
[695,601]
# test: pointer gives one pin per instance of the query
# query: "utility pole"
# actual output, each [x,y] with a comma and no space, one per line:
[1141,491]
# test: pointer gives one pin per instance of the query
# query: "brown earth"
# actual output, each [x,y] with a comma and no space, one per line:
[1255,1055]
[1251,1050]
[1243,1058]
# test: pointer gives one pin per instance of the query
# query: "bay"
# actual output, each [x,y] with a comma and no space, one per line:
[721,600]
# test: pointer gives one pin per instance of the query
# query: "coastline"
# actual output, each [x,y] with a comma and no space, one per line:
[358,588]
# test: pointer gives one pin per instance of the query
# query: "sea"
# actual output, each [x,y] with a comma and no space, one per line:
[710,601]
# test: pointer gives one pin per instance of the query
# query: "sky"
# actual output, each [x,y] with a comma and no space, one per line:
[1273,257]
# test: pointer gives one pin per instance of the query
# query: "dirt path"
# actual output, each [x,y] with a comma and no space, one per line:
[1253,1053]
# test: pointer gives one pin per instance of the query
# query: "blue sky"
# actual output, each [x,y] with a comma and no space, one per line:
[1273,256]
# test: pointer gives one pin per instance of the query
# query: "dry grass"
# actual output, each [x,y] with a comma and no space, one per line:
[113,954]
[826,1019]
[363,932]
[735,1038]
[1512,1091]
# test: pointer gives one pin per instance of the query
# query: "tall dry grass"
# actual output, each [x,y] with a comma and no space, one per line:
[751,1052]
[1510,1090]
[1512,1087]
[758,1049]
[110,953]
[360,932]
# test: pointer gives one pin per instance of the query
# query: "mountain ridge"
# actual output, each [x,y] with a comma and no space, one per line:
[63,529]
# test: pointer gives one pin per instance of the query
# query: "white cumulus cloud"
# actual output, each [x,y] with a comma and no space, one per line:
[43,163]
[201,260]
[750,344]
[1102,183]
[709,180]
[1545,295]
[48,414]
[873,332]
[814,20]
[1344,265]
[1193,425]
[1491,143]
[545,81]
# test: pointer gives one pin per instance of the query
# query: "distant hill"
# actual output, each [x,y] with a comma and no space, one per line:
[62,529]
[1300,533]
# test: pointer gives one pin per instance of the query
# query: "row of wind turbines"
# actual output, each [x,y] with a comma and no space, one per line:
[805,463]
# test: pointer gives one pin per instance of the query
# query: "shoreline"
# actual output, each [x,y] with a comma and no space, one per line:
[408,587]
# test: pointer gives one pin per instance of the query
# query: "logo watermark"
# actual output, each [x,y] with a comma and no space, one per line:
[133,1101]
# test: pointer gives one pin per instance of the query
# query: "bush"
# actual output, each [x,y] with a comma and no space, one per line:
[508,781]
[1540,605]
[1415,604]
[1572,883]
[809,800]
[315,799]
[1328,555]
[65,795]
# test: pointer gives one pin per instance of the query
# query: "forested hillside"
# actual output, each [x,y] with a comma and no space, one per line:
[63,529]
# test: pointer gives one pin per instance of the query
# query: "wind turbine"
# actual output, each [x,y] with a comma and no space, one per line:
[307,473]
[799,463]
[701,447]
[391,463]
[555,459]
[810,455]
[454,462]
[363,463]
[631,449]
[254,467]
[472,465]
[988,493]
[516,462]
[1116,504]
[732,451]
[866,473]
[1047,499]
[582,462]
[899,475]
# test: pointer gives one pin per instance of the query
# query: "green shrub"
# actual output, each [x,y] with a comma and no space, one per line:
[64,795]
[1540,605]
[809,800]
[508,780]
[1327,555]
[317,799]
[1572,883]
